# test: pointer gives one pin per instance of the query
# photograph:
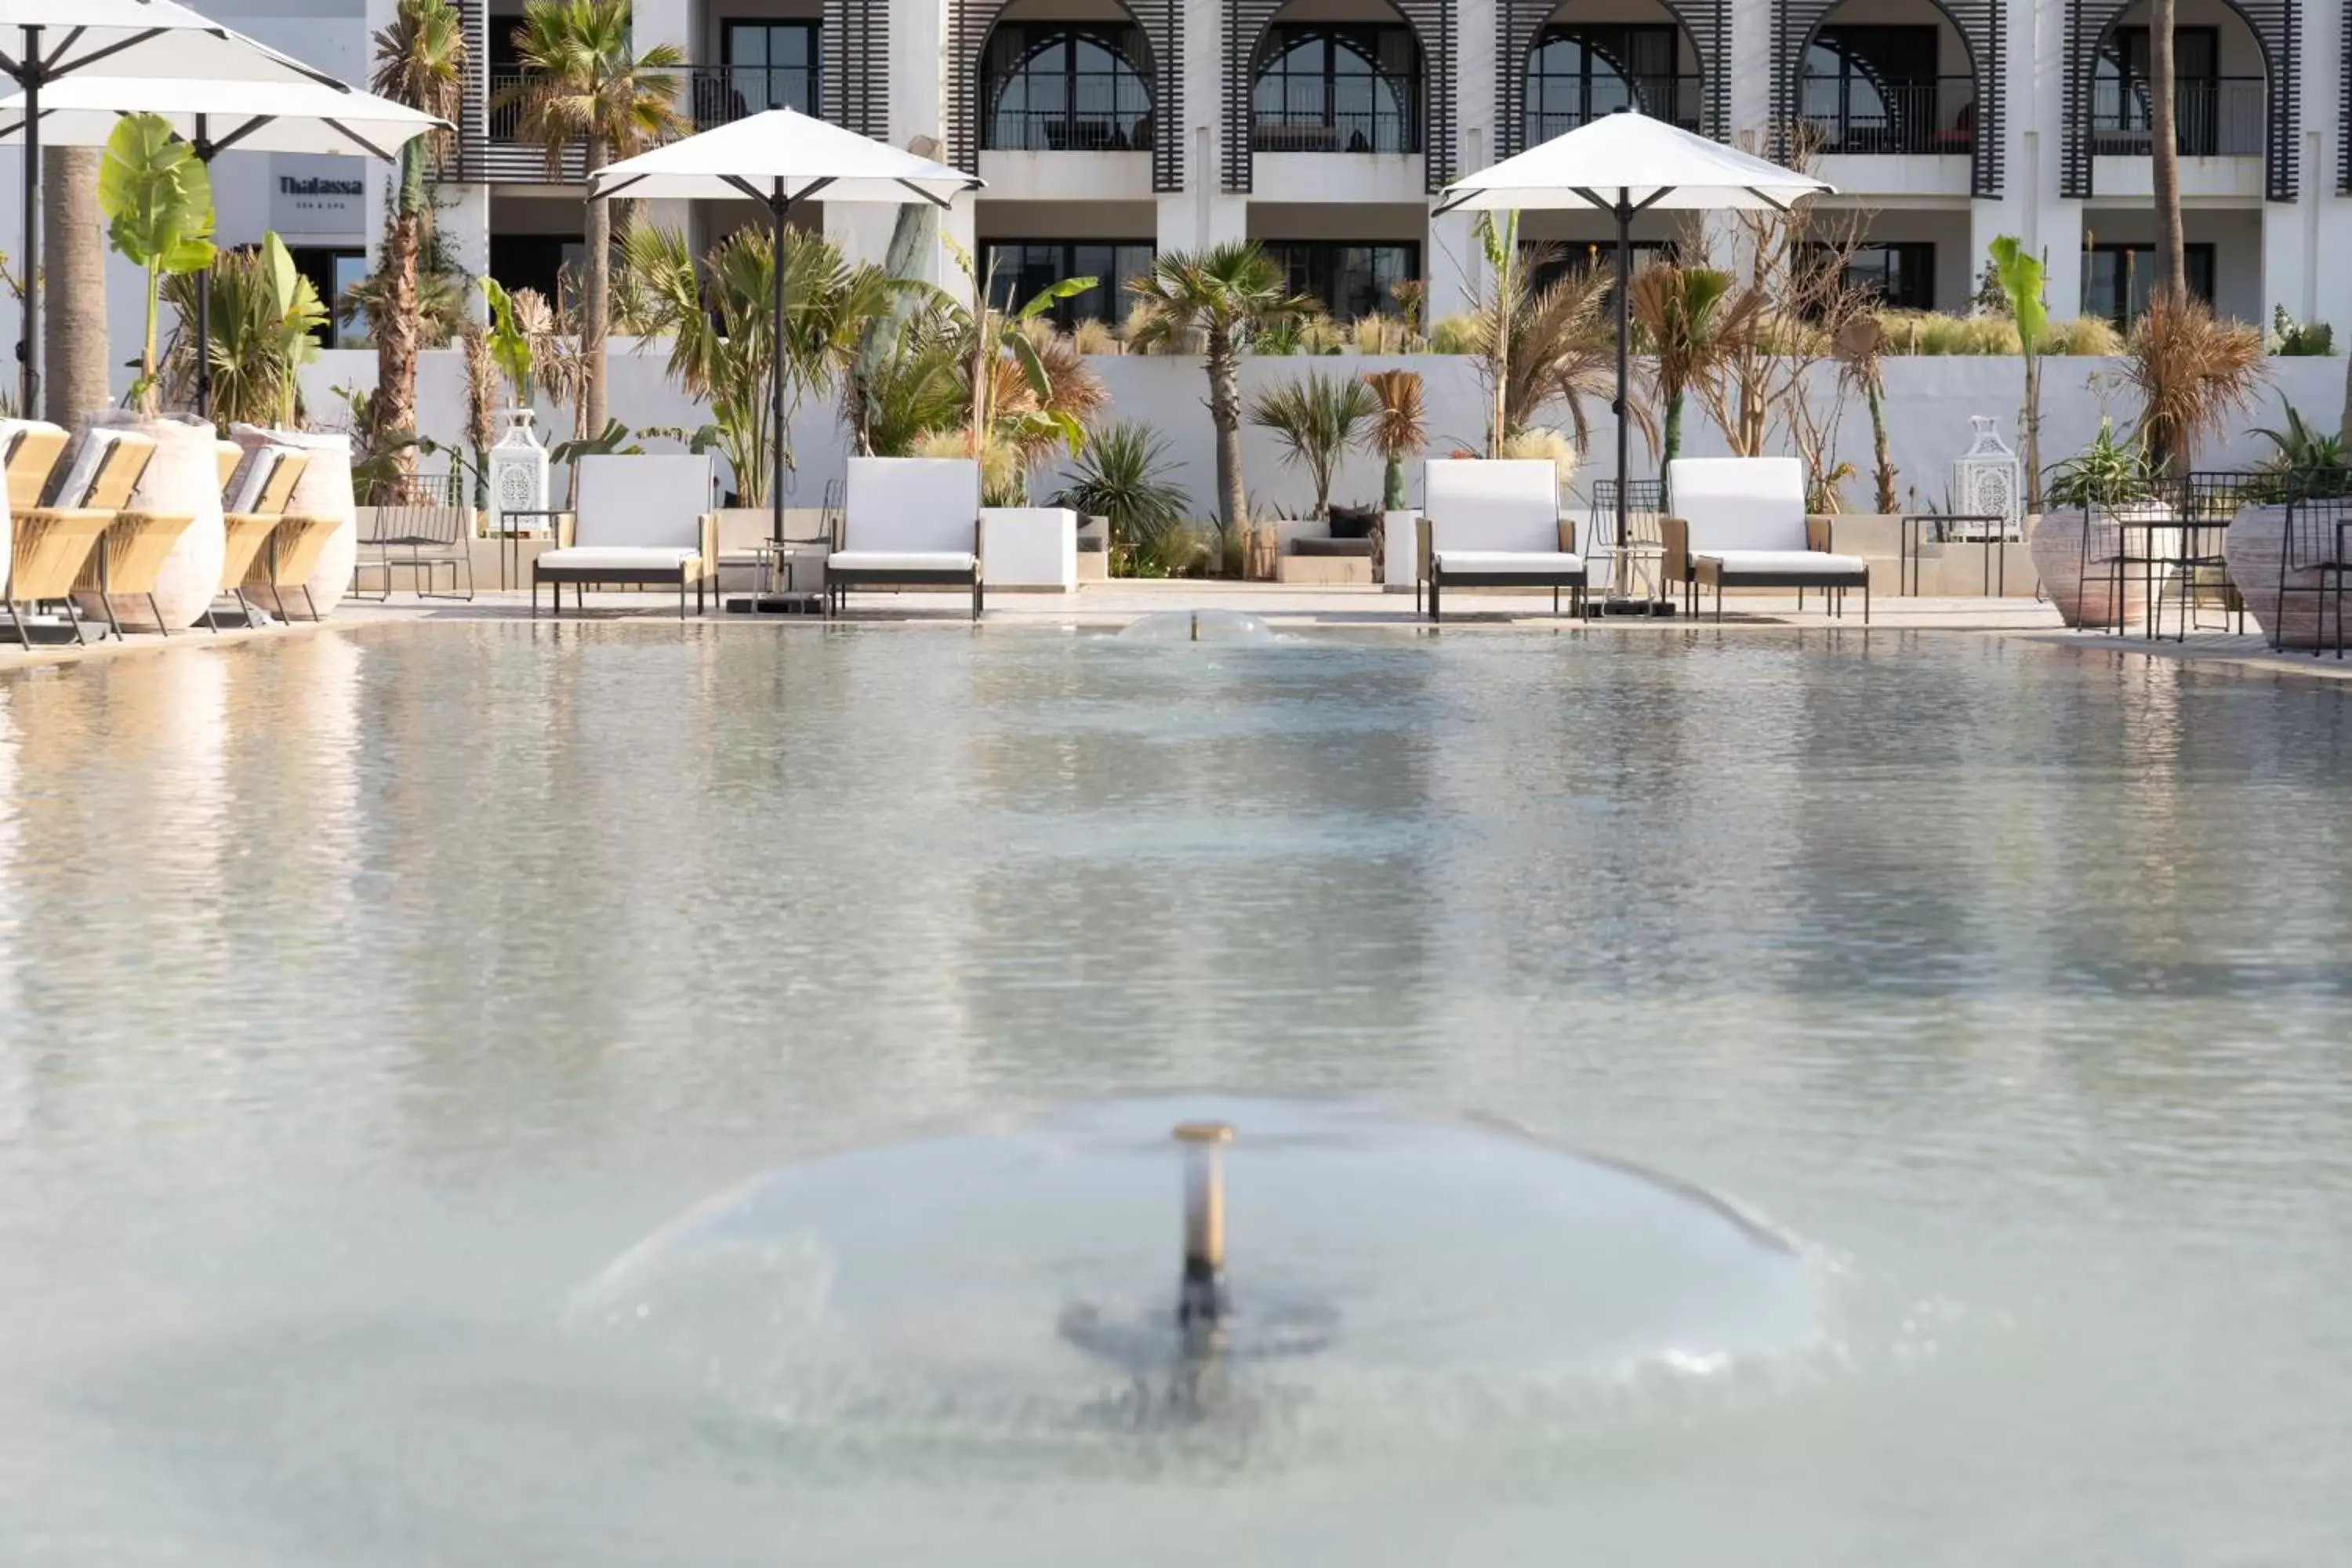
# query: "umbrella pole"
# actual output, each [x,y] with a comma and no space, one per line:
[28,346]
[204,150]
[779,205]
[1622,584]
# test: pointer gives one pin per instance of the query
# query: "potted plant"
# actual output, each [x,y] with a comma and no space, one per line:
[158,203]
[2305,463]
[1397,432]
[2100,490]
[1315,420]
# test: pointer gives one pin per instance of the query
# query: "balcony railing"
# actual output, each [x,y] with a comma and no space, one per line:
[500,154]
[1334,131]
[722,94]
[2213,117]
[1670,97]
[1890,118]
[1109,112]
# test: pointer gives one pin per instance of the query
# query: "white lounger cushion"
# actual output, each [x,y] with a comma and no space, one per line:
[853,561]
[1739,503]
[909,506]
[1510,504]
[1516,562]
[652,560]
[642,502]
[1783,562]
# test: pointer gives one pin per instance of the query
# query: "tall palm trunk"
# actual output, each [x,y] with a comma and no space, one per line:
[73,337]
[2164,154]
[595,290]
[394,327]
[1226,414]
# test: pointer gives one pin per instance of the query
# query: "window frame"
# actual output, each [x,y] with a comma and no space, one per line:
[1130,130]
[1293,131]
[1065,314]
[2197,255]
[1334,271]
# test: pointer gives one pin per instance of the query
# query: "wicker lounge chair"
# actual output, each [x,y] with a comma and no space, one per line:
[131,553]
[640,520]
[253,503]
[285,564]
[1740,522]
[52,544]
[1495,523]
[908,522]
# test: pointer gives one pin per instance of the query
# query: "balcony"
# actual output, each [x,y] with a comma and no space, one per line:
[498,154]
[1108,111]
[1379,130]
[1856,117]
[1557,106]
[719,95]
[2214,117]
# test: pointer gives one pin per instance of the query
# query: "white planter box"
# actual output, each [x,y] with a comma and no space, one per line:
[1397,563]
[1032,547]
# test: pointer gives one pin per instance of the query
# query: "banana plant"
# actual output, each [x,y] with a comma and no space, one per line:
[301,315]
[994,334]
[2020,273]
[158,203]
[509,345]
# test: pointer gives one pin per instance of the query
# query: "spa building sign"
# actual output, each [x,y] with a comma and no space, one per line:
[317,195]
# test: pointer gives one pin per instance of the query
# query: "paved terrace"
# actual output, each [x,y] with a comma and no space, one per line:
[1107,606]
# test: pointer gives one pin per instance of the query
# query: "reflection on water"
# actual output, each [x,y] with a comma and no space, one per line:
[361,996]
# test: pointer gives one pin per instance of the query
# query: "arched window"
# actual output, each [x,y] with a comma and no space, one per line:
[1576,74]
[1057,87]
[1875,90]
[1338,90]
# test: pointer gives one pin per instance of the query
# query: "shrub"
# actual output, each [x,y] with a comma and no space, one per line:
[1455,335]
[2093,337]
[2294,339]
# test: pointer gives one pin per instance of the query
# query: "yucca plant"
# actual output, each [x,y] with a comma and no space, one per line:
[1396,431]
[1121,475]
[265,316]
[1316,419]
[2192,372]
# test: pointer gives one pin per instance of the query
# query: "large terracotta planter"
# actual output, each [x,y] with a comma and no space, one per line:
[323,490]
[2254,546]
[183,480]
[2056,541]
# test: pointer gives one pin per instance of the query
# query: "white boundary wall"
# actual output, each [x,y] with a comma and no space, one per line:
[1929,400]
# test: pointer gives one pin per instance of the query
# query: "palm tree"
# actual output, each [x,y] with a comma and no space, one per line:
[1317,420]
[74,274]
[1224,294]
[2164,154]
[585,86]
[420,60]
[1541,344]
[1689,328]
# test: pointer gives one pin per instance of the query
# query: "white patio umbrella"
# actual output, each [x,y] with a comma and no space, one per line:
[1625,163]
[44,42]
[215,117]
[778,158]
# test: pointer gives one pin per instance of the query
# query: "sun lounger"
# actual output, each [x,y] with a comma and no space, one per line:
[1740,522]
[640,520]
[1495,523]
[52,544]
[908,522]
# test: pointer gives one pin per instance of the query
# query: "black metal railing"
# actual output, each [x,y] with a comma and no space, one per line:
[1108,111]
[719,95]
[1676,98]
[1928,115]
[1384,130]
[499,153]
[2213,117]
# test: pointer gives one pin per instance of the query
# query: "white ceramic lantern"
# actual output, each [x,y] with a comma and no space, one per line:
[518,471]
[1986,480]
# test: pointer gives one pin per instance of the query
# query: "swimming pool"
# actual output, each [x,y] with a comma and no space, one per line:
[364,995]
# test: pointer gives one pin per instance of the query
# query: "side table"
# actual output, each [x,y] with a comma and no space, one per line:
[543,524]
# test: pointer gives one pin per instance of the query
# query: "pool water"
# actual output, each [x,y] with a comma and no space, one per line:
[363,997]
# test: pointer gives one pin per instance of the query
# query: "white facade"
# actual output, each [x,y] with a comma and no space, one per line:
[1341,174]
